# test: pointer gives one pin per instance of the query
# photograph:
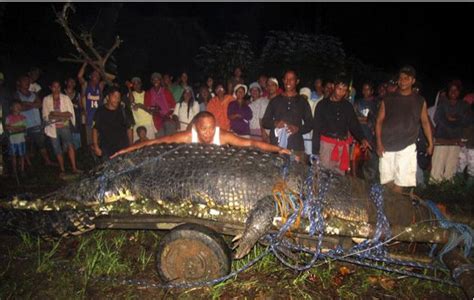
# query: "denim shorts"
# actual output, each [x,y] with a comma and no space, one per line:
[64,138]
[17,149]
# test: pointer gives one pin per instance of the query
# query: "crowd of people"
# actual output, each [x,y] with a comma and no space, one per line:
[387,133]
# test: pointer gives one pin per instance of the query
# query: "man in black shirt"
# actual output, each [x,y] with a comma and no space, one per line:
[291,112]
[334,118]
[111,130]
[396,130]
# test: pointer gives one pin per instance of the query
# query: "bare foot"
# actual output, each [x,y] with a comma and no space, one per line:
[77,171]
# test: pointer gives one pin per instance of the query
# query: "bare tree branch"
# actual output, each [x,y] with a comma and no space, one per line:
[97,61]
[70,59]
[88,41]
[62,19]
[117,43]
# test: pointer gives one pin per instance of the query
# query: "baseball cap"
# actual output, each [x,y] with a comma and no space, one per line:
[409,70]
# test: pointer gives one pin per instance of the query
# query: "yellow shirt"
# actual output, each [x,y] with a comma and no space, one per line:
[141,116]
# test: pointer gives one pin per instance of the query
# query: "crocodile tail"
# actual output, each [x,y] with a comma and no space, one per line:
[47,224]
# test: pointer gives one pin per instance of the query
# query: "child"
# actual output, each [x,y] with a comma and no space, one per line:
[16,127]
[141,132]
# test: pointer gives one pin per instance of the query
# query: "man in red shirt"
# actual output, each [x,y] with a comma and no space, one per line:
[161,102]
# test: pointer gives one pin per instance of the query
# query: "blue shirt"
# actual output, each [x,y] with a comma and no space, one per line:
[33,117]
[93,100]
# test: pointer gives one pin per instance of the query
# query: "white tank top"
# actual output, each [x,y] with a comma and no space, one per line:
[215,141]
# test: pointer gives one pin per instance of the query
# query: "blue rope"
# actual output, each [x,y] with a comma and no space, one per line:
[394,270]
[382,227]
[461,232]
[461,269]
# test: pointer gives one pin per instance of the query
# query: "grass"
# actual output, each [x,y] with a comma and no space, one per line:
[102,257]
[144,258]
[45,257]
[458,190]
[50,272]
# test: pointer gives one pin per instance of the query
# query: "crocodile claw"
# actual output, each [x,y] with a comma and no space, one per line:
[258,223]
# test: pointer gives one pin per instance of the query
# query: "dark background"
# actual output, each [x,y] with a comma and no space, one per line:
[435,38]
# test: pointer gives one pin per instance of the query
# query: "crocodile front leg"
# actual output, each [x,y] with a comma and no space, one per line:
[258,223]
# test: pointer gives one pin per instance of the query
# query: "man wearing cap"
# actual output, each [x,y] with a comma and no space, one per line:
[141,114]
[218,106]
[396,130]
[288,116]
[258,105]
[160,100]
[334,119]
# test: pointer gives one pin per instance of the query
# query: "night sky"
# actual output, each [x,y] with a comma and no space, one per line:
[433,37]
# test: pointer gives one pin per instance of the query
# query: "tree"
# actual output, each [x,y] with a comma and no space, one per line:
[84,45]
[310,55]
[220,60]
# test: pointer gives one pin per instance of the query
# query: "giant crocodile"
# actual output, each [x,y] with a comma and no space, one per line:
[223,184]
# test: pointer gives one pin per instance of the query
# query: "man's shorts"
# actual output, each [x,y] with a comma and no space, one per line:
[17,149]
[36,137]
[64,138]
[76,140]
[399,166]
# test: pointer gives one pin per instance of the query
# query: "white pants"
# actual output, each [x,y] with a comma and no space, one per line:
[399,167]
[444,162]
[466,160]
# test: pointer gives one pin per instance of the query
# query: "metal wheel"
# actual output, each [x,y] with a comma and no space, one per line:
[190,253]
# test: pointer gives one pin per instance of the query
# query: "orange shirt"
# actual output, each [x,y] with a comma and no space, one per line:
[219,109]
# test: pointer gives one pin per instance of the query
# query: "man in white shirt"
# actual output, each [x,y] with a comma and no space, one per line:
[59,111]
